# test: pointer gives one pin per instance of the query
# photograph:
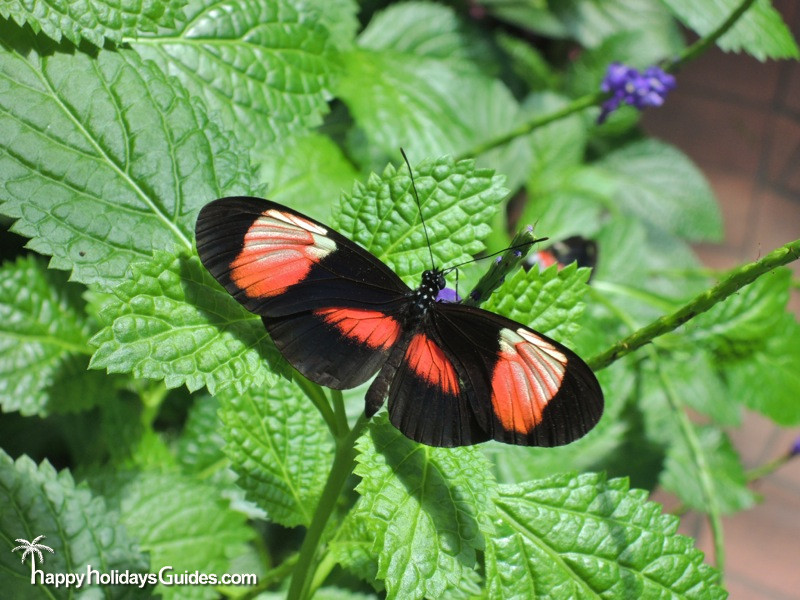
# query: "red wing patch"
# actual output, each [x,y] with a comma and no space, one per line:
[527,375]
[544,258]
[428,361]
[279,250]
[370,327]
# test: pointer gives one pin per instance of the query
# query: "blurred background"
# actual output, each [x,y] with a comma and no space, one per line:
[739,120]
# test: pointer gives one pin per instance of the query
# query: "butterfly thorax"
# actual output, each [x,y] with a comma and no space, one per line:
[424,297]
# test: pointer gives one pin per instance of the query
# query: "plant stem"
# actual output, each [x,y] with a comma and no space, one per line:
[768,468]
[320,401]
[525,128]
[270,577]
[704,43]
[699,457]
[342,467]
[339,413]
[738,278]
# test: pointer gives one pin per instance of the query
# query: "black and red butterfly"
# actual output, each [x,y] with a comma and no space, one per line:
[453,375]
[574,249]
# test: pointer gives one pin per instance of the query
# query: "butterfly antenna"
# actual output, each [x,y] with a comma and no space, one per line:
[419,207]
[515,247]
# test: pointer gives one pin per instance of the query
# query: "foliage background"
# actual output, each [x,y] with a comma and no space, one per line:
[189,444]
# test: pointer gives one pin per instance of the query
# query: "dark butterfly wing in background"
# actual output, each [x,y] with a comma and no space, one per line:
[575,248]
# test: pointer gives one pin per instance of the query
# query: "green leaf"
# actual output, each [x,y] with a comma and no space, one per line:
[566,209]
[682,477]
[429,106]
[352,548]
[768,381]
[279,446]
[307,173]
[527,62]
[744,322]
[582,536]
[535,16]
[698,383]
[103,159]
[756,344]
[263,67]
[424,29]
[199,449]
[558,146]
[44,350]
[592,21]
[172,321]
[340,18]
[92,20]
[428,511]
[660,185]
[760,31]
[38,501]
[184,524]
[549,301]
[457,202]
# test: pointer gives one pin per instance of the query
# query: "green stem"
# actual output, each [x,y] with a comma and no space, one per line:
[270,578]
[320,401]
[326,565]
[699,457]
[751,475]
[339,413]
[343,462]
[525,128]
[152,398]
[704,43]
[767,468]
[739,278]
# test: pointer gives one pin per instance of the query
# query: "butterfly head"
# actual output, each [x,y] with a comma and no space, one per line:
[432,281]
[425,295]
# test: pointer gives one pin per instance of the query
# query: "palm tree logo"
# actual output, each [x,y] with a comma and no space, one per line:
[33,548]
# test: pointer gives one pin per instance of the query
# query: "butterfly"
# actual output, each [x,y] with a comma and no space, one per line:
[453,374]
[575,248]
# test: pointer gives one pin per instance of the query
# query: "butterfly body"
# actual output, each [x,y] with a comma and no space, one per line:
[453,375]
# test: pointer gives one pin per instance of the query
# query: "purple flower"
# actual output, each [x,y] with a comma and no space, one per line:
[448,295]
[795,449]
[628,86]
[518,253]
[498,260]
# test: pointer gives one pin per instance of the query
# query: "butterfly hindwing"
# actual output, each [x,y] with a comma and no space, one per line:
[427,398]
[524,388]
[328,305]
[336,347]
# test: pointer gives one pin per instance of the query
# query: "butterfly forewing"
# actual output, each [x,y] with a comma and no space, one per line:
[328,305]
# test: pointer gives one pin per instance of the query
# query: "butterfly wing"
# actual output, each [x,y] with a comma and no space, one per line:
[430,400]
[487,377]
[329,305]
[533,391]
